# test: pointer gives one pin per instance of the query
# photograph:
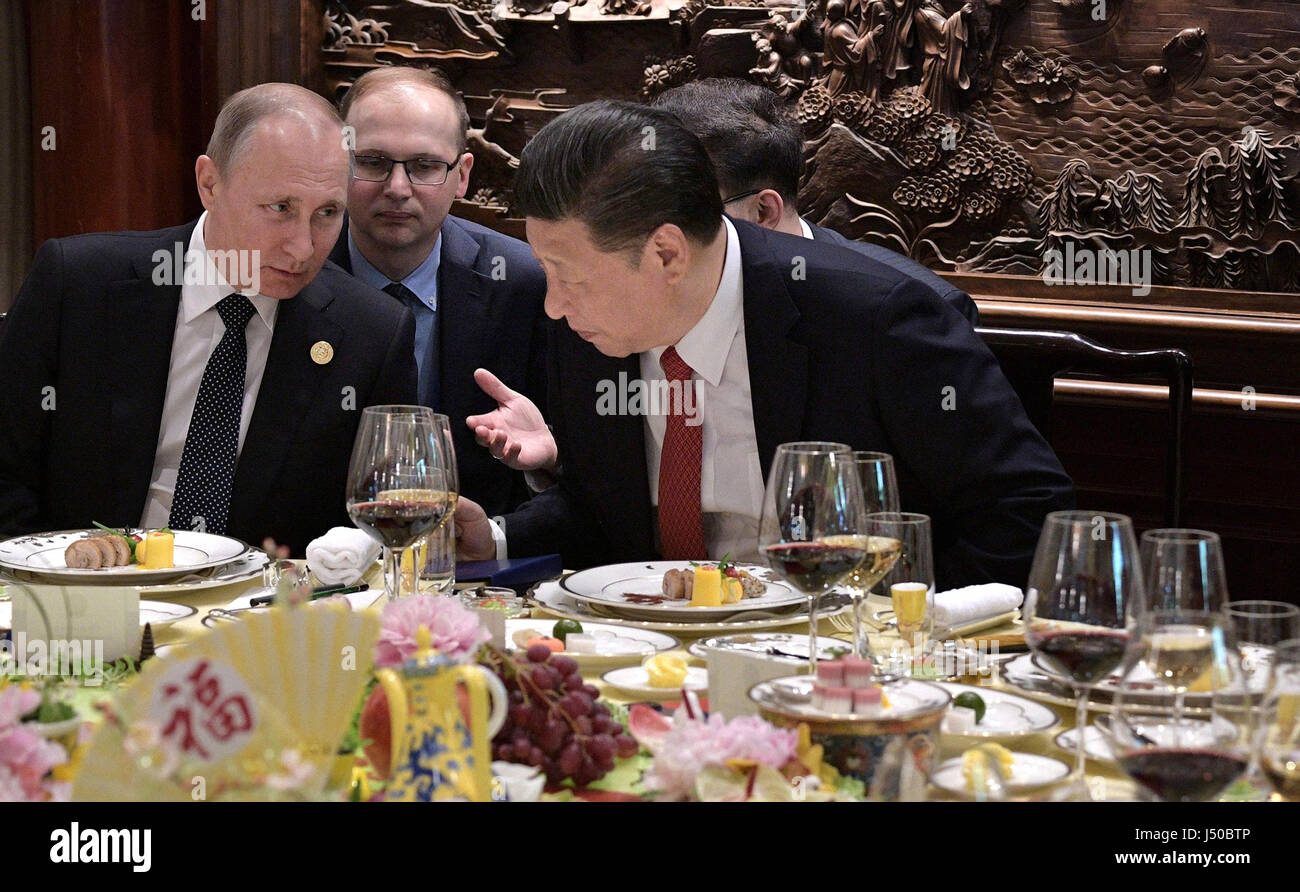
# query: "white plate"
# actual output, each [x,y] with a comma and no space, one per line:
[793,696]
[791,645]
[635,680]
[41,556]
[608,588]
[158,613]
[558,601]
[248,565]
[621,643]
[1028,772]
[1005,715]
[1098,744]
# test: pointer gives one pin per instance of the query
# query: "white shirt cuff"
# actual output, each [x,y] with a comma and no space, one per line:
[539,481]
[498,537]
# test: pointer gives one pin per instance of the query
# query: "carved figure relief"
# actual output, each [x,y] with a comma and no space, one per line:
[970,134]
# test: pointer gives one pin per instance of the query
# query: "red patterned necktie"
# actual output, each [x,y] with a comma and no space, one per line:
[681,532]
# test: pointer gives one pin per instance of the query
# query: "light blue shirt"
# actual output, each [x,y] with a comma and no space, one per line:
[423,282]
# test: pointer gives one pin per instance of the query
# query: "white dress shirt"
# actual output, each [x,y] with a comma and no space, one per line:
[198,331]
[731,478]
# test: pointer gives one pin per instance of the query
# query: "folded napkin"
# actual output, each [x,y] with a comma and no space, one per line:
[342,556]
[960,606]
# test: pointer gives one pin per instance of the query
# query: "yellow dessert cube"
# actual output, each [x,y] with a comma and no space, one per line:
[158,554]
[708,587]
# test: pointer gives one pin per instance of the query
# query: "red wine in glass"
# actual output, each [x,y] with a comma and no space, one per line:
[398,522]
[814,566]
[1085,655]
[1183,775]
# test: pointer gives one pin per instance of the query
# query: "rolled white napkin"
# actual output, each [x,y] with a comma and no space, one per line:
[960,606]
[342,556]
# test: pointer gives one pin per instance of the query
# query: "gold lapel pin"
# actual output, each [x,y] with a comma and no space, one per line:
[321,352]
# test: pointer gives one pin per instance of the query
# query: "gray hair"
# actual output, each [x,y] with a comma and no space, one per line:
[242,112]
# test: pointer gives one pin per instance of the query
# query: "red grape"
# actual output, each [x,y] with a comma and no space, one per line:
[538,653]
[601,746]
[625,746]
[571,759]
[564,665]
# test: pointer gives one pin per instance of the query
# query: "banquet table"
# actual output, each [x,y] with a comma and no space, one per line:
[1105,780]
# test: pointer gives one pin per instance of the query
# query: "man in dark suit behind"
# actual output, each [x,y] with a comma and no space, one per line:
[756,146]
[784,339]
[210,376]
[476,294]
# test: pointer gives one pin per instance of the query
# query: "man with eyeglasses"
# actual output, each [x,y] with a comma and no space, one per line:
[476,294]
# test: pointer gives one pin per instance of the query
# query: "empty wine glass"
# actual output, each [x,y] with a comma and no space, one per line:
[1182,756]
[1184,570]
[1279,751]
[879,493]
[1081,603]
[435,554]
[1260,627]
[813,524]
[396,485]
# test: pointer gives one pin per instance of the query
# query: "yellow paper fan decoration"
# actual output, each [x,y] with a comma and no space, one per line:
[251,710]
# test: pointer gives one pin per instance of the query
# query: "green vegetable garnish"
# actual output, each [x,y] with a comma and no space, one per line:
[564,627]
[971,700]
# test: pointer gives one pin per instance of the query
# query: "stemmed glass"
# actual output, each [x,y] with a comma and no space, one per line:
[1279,749]
[435,554]
[879,493]
[1083,596]
[1182,758]
[1184,570]
[396,482]
[910,582]
[1260,626]
[813,521]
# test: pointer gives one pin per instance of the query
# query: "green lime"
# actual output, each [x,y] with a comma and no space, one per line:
[971,700]
[564,627]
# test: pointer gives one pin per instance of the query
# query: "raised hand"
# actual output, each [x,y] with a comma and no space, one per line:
[515,432]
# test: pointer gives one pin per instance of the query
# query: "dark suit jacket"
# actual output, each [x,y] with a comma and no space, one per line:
[960,300]
[490,315]
[84,363]
[855,352]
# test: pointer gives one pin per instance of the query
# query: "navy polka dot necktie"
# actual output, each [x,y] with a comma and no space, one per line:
[207,473]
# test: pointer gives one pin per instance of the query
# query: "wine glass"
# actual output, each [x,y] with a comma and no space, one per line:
[435,554]
[1183,570]
[910,581]
[813,521]
[396,485]
[1182,758]
[879,493]
[1083,595]
[1279,751]
[1260,627]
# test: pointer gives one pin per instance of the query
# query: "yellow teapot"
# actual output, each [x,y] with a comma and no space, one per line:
[436,754]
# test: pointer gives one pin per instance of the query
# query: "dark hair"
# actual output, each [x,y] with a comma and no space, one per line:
[754,138]
[390,75]
[622,169]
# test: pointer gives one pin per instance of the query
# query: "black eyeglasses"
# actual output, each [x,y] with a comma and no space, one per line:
[420,171]
[740,195]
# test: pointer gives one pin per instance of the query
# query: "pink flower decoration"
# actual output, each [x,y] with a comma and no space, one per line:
[690,745]
[456,631]
[16,703]
[25,759]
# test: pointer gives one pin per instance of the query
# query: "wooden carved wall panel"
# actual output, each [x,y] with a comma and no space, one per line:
[1010,137]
